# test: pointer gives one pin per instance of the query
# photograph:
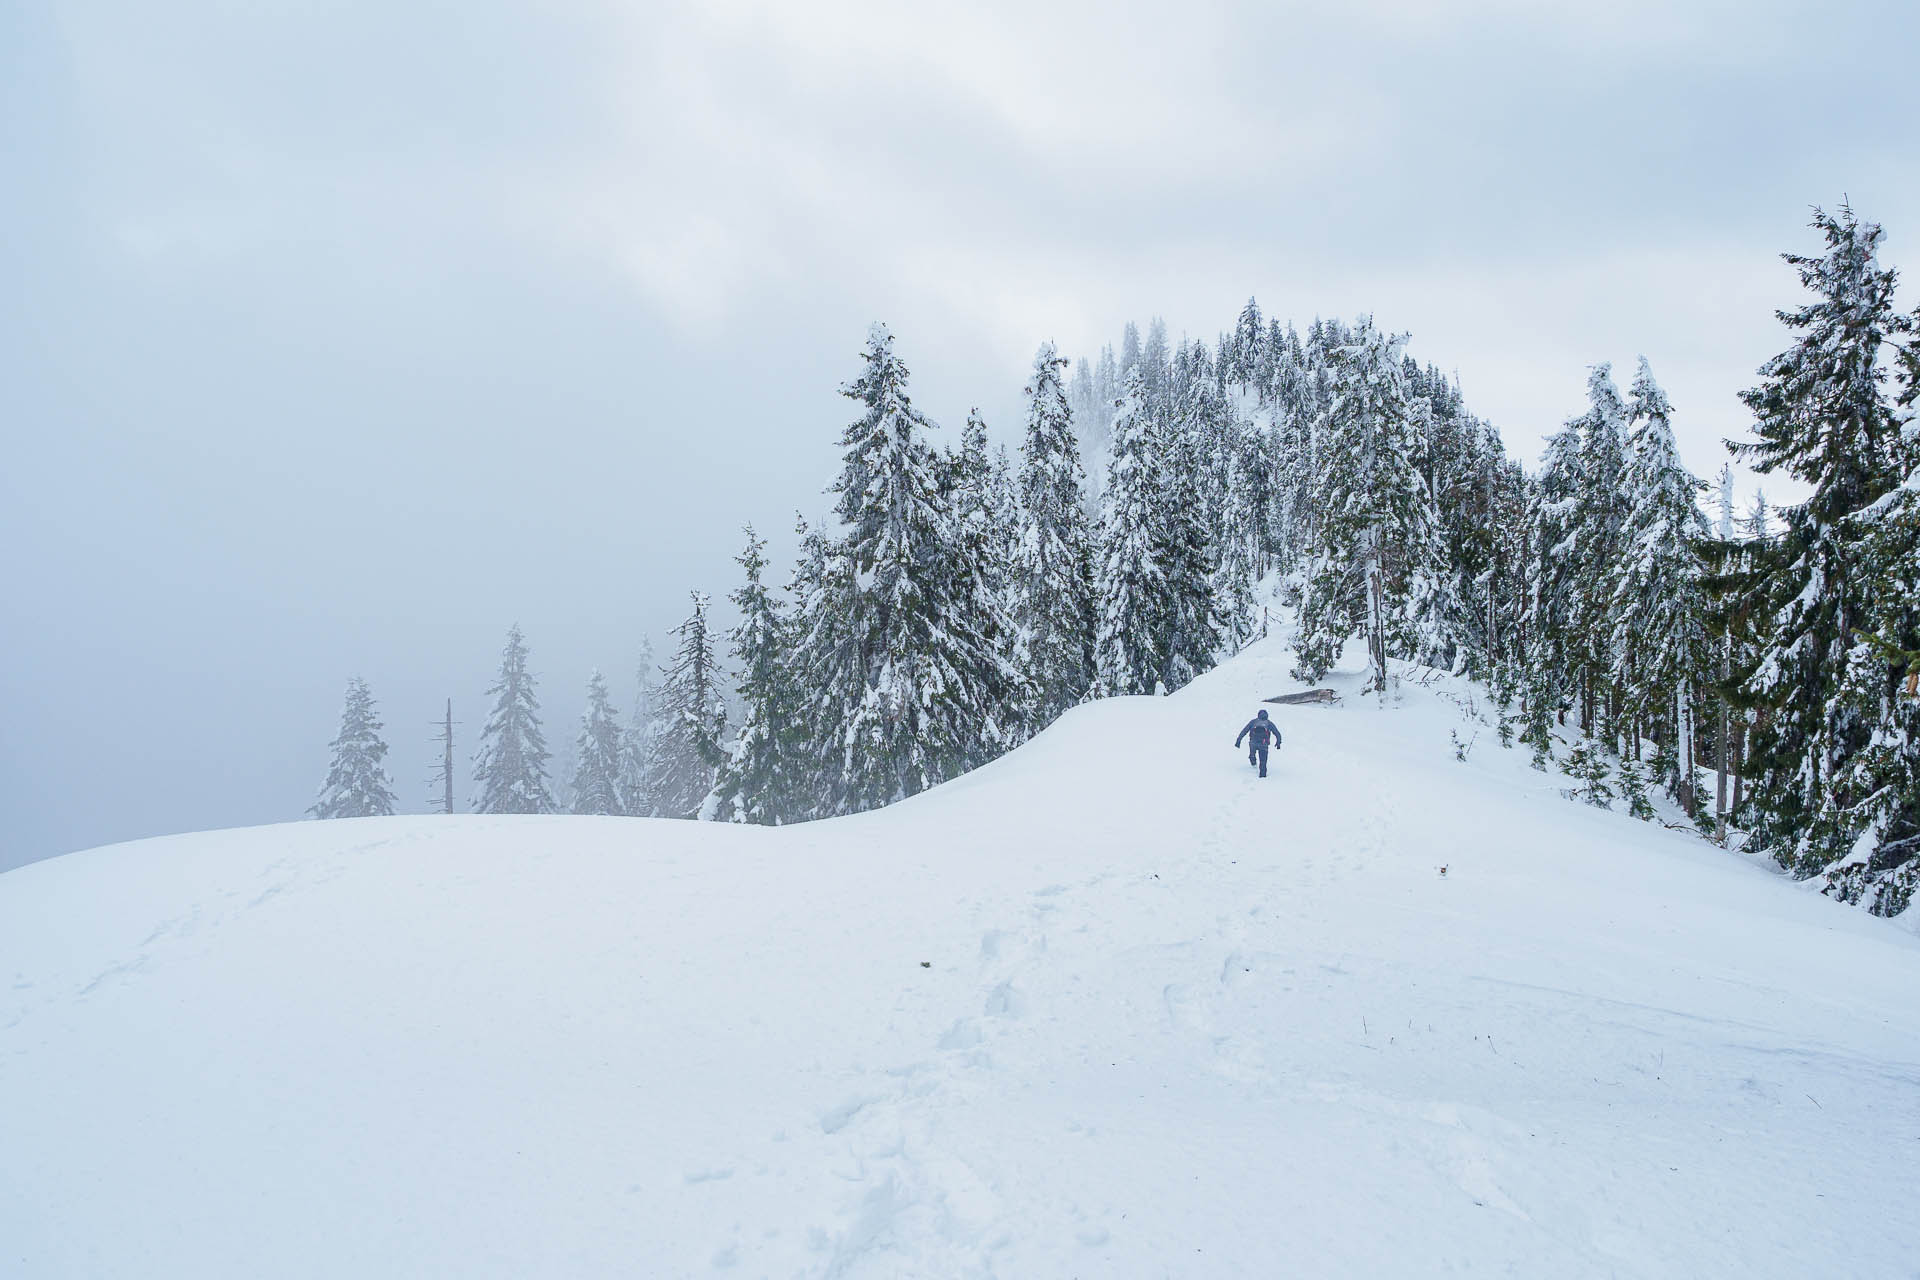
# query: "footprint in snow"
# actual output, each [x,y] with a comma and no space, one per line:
[834,1119]
[963,1034]
[1005,1002]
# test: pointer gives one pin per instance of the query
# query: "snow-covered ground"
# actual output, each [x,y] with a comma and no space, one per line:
[1110,1007]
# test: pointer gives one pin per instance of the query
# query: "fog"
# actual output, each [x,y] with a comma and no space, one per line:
[336,338]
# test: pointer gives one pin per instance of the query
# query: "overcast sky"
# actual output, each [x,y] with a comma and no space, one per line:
[336,337]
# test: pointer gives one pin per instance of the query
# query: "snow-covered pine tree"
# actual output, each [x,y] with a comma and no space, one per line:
[1372,568]
[1436,630]
[1599,524]
[357,785]
[1156,369]
[1881,870]
[764,777]
[1096,429]
[988,530]
[1504,582]
[511,766]
[636,739]
[904,685]
[690,721]
[1003,492]
[1131,584]
[1244,354]
[1822,415]
[1659,645]
[1054,569]
[1193,493]
[1080,399]
[597,752]
[1237,563]
[806,620]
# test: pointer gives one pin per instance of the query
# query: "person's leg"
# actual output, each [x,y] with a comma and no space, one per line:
[1263,759]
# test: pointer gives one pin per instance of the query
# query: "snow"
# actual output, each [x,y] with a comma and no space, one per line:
[1110,1006]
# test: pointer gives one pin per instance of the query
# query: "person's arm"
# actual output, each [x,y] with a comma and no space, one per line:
[1243,734]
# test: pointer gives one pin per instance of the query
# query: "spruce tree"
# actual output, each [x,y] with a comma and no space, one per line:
[984,578]
[1054,569]
[1600,509]
[636,738]
[1881,870]
[597,755]
[1192,494]
[1237,562]
[356,785]
[1132,591]
[1822,415]
[511,766]
[1245,356]
[1373,568]
[763,778]
[907,685]
[1659,643]
[690,721]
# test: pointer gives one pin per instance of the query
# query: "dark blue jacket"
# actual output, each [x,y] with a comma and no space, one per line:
[1259,727]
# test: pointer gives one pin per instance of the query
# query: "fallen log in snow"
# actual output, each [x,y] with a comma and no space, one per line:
[1310,696]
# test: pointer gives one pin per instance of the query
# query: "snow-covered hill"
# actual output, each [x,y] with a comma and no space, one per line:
[1110,1007]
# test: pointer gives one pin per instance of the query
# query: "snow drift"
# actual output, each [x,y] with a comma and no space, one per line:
[1110,1006]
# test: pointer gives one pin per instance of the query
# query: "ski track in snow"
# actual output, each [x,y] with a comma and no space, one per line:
[1112,1006]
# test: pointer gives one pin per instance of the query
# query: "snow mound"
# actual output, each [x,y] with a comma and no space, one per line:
[1111,1006]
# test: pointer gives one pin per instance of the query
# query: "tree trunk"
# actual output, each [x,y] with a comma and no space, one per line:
[1683,748]
[1720,754]
[1740,763]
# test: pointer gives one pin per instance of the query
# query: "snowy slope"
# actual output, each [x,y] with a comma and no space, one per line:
[1109,1007]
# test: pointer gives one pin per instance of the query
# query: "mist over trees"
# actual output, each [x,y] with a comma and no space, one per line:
[1171,502]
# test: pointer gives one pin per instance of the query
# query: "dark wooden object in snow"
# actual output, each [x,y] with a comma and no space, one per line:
[1310,696]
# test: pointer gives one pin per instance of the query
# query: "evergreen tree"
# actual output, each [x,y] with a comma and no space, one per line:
[905,683]
[1242,358]
[356,785]
[511,767]
[1193,432]
[1054,569]
[1881,870]
[597,763]
[1658,609]
[985,578]
[1823,416]
[763,779]
[1156,369]
[1237,564]
[1132,588]
[807,620]
[1372,569]
[636,739]
[1600,510]
[690,721]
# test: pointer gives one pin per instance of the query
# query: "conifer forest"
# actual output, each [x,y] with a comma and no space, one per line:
[1637,626]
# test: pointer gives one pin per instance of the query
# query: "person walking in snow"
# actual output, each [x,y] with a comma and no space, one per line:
[1258,730]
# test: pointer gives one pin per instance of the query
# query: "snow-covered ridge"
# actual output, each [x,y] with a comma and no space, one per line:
[1109,1006]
